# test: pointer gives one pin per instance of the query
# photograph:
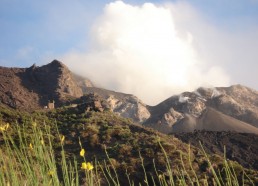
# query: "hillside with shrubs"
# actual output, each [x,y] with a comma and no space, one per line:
[71,146]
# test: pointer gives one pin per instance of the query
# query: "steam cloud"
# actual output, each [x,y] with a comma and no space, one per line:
[140,50]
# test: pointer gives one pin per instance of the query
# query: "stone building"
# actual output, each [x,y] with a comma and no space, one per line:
[51,105]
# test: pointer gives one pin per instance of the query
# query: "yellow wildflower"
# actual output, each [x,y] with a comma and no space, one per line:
[31,147]
[5,127]
[34,124]
[51,173]
[87,166]
[84,166]
[2,128]
[82,152]
[42,142]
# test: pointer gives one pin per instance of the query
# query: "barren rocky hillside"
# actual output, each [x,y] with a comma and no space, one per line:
[34,87]
[232,108]
[125,105]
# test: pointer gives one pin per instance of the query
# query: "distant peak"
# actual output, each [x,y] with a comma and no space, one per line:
[54,66]
[32,67]
[56,62]
[241,89]
[238,86]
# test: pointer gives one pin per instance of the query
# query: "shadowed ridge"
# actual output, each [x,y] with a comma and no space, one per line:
[32,88]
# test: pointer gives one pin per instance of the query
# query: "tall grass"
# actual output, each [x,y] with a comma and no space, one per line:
[27,157]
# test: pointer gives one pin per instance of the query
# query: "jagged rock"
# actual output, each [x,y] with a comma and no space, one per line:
[171,117]
[125,105]
[34,87]
[92,102]
[56,77]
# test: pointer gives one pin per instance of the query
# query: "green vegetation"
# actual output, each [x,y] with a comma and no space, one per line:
[69,147]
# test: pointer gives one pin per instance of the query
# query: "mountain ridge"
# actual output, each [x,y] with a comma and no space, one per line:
[32,88]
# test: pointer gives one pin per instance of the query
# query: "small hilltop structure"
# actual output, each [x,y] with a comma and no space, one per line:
[51,105]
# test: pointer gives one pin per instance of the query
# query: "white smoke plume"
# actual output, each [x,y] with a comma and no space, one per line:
[140,50]
[215,93]
[183,99]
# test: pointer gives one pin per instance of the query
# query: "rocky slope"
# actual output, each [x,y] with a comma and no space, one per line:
[239,102]
[125,105]
[12,93]
[34,87]
[240,147]
[232,108]
[212,120]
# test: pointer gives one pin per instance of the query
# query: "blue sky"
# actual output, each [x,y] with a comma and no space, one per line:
[33,29]
[225,32]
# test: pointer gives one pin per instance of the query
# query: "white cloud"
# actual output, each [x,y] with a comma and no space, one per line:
[183,99]
[143,50]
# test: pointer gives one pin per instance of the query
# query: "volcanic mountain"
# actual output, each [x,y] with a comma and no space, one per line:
[33,88]
[216,109]
[232,108]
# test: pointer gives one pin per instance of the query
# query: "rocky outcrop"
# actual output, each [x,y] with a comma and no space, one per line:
[34,87]
[125,105]
[92,102]
[53,81]
[130,107]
